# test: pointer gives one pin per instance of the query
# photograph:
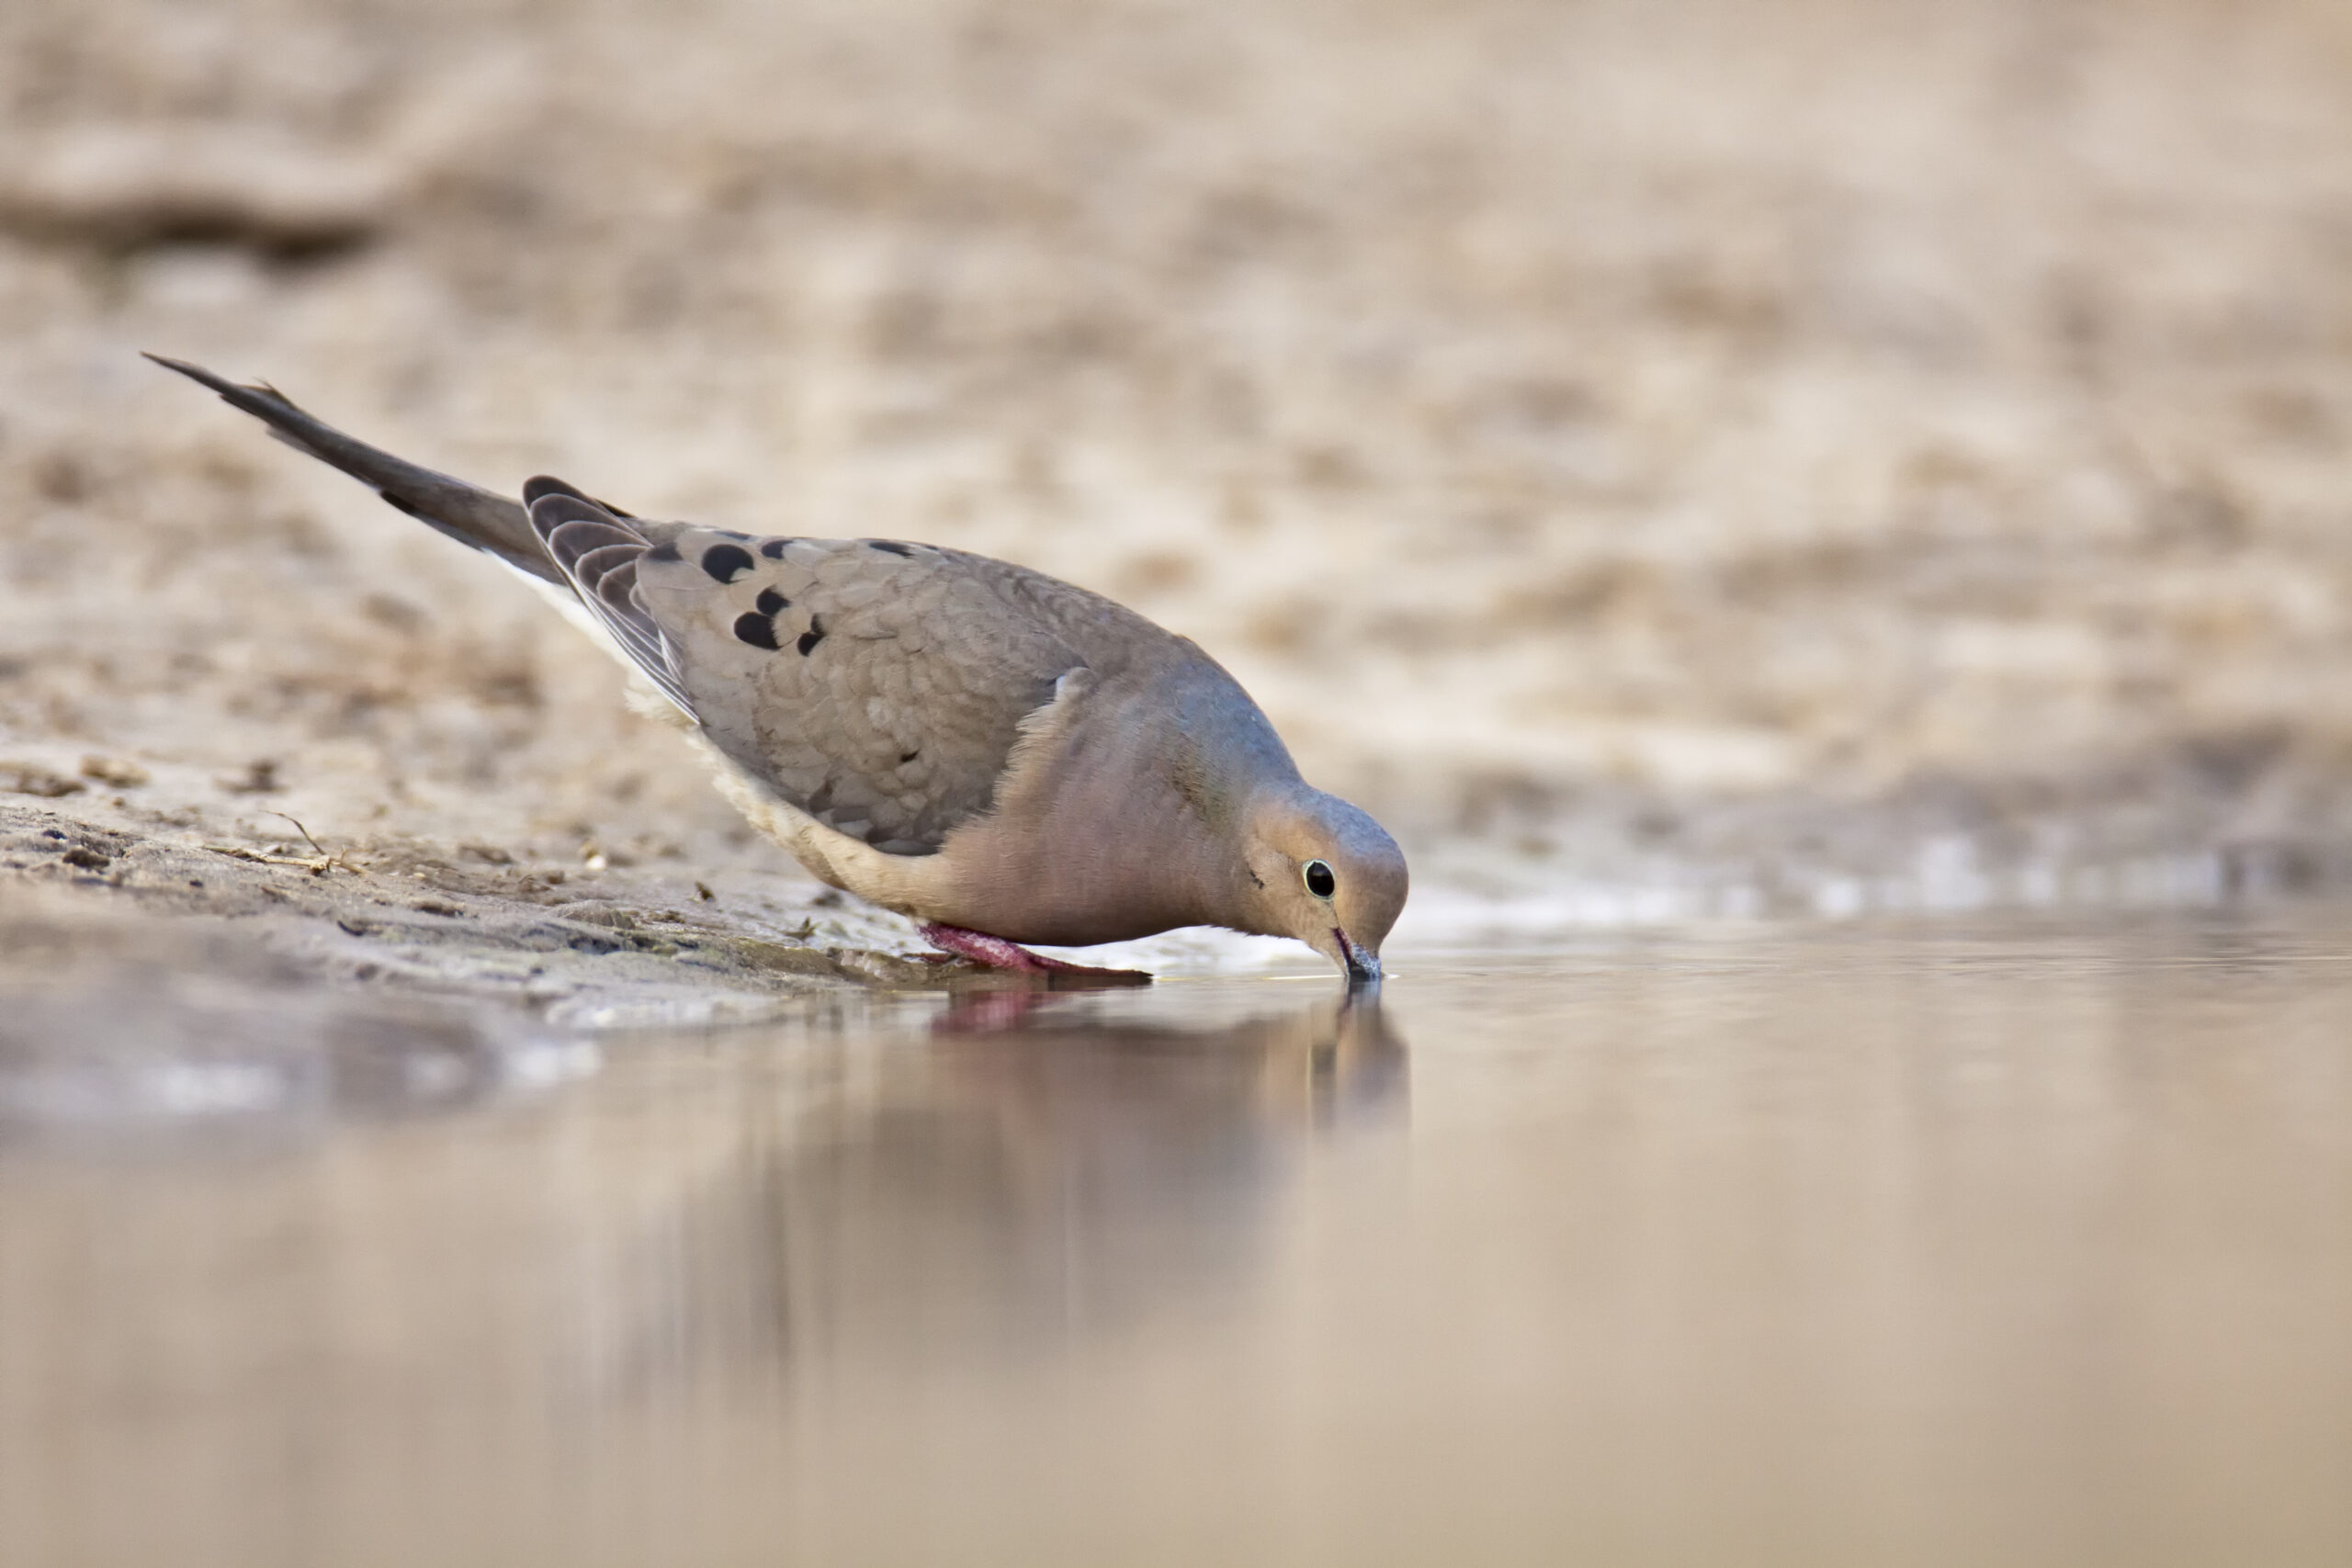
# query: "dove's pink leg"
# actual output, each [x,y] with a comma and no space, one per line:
[995,952]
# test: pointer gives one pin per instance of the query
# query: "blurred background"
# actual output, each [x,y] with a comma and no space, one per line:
[1661,456]
[1668,458]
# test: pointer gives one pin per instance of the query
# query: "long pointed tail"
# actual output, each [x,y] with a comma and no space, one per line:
[466,513]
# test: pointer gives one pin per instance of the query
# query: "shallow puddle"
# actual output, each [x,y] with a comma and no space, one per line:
[1966,1243]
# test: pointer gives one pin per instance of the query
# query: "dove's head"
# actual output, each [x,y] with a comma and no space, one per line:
[1327,873]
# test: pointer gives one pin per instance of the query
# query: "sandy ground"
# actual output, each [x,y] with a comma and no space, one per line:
[1769,449]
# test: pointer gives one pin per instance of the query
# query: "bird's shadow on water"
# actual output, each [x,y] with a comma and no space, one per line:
[1033,1173]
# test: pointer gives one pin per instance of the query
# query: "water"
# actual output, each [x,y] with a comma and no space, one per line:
[2014,1242]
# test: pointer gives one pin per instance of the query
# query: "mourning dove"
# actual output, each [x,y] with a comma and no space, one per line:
[996,755]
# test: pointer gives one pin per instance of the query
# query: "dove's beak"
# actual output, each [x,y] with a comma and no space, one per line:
[1362,963]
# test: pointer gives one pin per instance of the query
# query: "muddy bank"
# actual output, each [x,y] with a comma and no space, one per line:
[93,899]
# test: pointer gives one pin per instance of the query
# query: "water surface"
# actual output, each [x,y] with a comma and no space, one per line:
[1931,1243]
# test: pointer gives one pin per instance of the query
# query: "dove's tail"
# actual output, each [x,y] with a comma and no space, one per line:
[466,513]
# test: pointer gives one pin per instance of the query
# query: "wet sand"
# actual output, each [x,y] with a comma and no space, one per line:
[1934,1242]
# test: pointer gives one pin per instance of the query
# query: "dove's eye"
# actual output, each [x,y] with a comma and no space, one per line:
[1319,880]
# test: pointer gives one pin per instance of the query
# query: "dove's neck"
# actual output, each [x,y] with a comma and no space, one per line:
[1189,794]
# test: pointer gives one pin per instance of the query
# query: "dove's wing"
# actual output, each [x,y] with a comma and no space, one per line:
[878,687]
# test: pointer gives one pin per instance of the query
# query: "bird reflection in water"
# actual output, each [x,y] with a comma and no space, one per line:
[1036,1172]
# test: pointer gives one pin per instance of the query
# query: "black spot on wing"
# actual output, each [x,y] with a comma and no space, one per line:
[772,603]
[812,636]
[755,630]
[726,562]
[774,548]
[664,552]
[888,547]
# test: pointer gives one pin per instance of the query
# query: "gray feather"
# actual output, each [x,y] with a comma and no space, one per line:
[468,513]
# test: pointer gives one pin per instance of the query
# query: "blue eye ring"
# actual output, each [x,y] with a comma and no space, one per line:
[1318,878]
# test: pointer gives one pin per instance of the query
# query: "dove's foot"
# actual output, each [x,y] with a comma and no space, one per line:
[995,953]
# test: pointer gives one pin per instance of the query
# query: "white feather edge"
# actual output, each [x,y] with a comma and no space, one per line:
[566,604]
